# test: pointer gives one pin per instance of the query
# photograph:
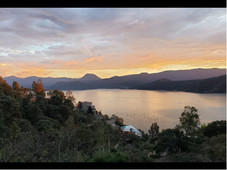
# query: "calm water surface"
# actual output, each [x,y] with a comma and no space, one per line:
[141,108]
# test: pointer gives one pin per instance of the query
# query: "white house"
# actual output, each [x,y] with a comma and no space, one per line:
[131,129]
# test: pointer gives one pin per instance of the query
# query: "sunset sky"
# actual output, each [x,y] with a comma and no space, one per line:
[108,42]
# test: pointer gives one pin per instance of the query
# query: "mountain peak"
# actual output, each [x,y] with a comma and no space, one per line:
[144,73]
[89,76]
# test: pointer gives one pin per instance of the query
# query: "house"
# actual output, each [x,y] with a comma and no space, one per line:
[130,129]
[86,105]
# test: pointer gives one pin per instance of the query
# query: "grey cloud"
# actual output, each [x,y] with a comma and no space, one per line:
[119,28]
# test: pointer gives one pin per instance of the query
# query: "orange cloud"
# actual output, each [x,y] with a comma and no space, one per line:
[93,59]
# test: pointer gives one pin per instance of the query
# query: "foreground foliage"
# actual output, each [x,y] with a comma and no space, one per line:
[40,127]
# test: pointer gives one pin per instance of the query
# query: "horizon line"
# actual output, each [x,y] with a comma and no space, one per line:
[116,75]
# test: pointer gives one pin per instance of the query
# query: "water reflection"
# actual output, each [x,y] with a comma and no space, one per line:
[141,108]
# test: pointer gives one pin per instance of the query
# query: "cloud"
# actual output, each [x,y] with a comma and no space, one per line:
[93,59]
[128,38]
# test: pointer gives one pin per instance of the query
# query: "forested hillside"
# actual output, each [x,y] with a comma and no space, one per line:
[40,127]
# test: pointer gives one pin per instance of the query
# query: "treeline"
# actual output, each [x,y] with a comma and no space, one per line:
[36,126]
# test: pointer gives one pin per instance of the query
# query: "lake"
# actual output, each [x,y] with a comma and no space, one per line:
[141,108]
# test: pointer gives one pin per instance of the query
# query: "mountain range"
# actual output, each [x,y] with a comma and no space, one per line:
[175,80]
[210,85]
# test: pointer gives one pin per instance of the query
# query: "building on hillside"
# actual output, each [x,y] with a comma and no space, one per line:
[130,129]
[86,105]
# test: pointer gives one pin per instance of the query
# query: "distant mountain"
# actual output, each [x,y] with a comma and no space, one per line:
[193,74]
[27,82]
[89,77]
[210,85]
[72,85]
[91,81]
[136,80]
[48,82]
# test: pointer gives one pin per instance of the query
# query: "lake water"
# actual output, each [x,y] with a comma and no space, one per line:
[141,108]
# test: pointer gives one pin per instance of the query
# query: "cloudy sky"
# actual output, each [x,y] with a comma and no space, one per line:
[107,42]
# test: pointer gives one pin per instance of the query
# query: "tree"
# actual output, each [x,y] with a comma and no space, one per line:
[38,88]
[57,97]
[189,120]
[32,112]
[65,112]
[154,130]
[15,86]
[70,99]
[50,93]
[215,128]
[16,90]
[79,105]
[171,141]
[69,96]
[24,91]
[5,88]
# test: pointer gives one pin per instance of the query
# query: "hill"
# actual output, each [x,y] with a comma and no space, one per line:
[210,85]
[137,80]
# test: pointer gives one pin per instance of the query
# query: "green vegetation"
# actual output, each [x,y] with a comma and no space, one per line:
[189,120]
[40,127]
